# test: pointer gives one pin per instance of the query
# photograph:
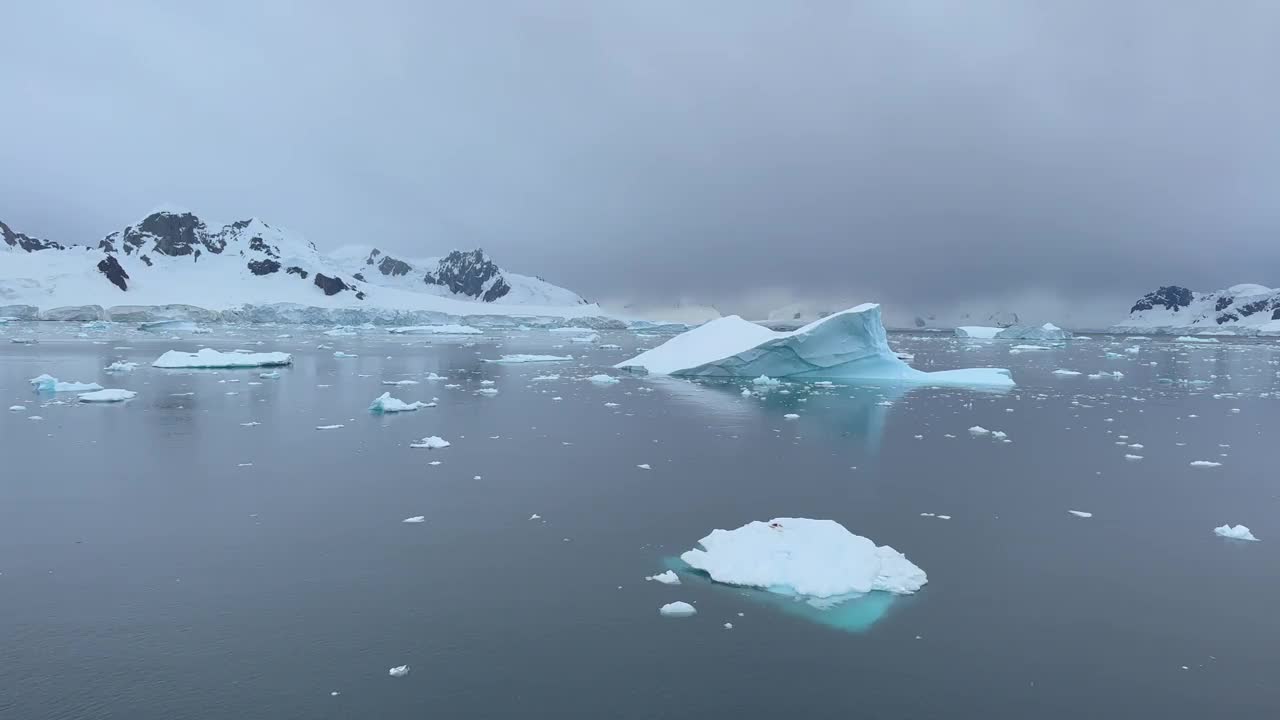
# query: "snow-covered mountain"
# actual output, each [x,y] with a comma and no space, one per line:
[1239,308]
[172,257]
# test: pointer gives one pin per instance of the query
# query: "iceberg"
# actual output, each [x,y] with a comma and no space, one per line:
[668,577]
[1238,532]
[848,345]
[977,332]
[49,383]
[816,559]
[1194,339]
[121,366]
[433,442]
[514,359]
[1047,331]
[435,330]
[209,358]
[384,403]
[603,379]
[109,395]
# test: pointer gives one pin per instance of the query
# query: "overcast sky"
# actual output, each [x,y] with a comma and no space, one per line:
[922,153]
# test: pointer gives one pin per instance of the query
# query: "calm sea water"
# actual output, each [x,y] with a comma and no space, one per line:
[159,559]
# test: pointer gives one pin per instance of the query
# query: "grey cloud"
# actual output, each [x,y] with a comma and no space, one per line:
[923,153]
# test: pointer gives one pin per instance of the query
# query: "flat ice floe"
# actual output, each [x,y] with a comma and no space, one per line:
[604,379]
[435,330]
[121,366]
[1066,373]
[49,383]
[1205,464]
[849,345]
[1081,513]
[108,395]
[677,609]
[384,403]
[431,443]
[399,671]
[513,359]
[1237,532]
[809,558]
[210,358]
[666,578]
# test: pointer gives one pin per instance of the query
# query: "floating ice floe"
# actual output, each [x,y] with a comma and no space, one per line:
[666,578]
[384,403]
[603,379]
[415,519]
[1081,513]
[108,395]
[1028,348]
[546,378]
[270,375]
[677,609]
[1237,532]
[1205,464]
[1066,373]
[849,345]
[49,383]
[435,330]
[513,359]
[121,366]
[977,332]
[431,443]
[340,354]
[765,381]
[804,557]
[16,408]
[1116,375]
[209,358]
[978,430]
[399,382]
[1194,339]
[791,416]
[1047,331]
[330,427]
[399,671]
[487,391]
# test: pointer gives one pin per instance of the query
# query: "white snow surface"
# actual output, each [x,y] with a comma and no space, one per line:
[210,358]
[846,345]
[1245,308]
[384,403]
[1237,532]
[801,556]
[108,395]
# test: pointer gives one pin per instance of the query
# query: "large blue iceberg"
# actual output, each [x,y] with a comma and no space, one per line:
[849,345]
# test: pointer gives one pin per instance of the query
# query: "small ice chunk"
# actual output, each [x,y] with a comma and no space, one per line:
[666,578]
[431,443]
[978,430]
[108,395]
[791,416]
[16,408]
[1205,464]
[487,391]
[270,375]
[535,516]
[399,382]
[340,354]
[765,381]
[515,359]
[677,609]
[1081,513]
[121,366]
[1237,532]
[1066,373]
[644,466]
[399,671]
[329,427]
[49,383]
[1132,458]
[414,519]
[603,379]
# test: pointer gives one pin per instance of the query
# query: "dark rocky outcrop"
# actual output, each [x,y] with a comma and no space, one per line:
[1170,297]
[26,242]
[1225,318]
[172,234]
[145,259]
[359,276]
[295,270]
[1223,303]
[1256,306]
[263,267]
[110,267]
[330,285]
[388,265]
[257,243]
[468,273]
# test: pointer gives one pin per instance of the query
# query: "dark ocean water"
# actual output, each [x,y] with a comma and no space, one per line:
[160,560]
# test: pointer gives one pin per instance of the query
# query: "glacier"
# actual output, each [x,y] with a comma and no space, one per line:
[848,345]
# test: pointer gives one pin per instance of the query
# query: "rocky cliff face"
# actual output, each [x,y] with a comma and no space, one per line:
[19,241]
[1239,307]
[469,273]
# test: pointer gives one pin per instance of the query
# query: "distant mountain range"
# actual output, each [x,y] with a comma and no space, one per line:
[173,257]
[1239,308]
